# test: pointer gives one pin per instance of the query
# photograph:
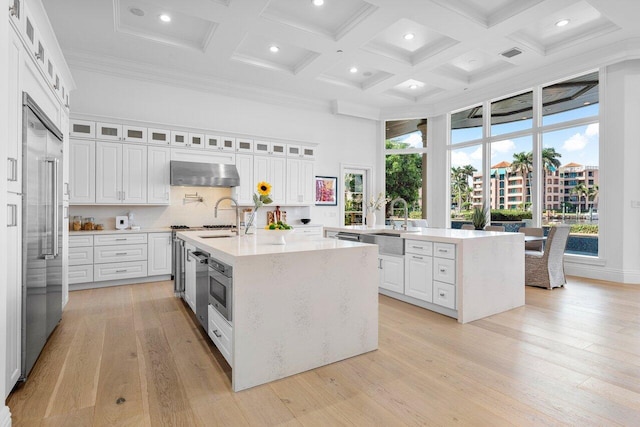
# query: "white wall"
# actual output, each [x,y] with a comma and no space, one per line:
[340,138]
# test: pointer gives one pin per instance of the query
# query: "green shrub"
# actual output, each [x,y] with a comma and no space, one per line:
[584,228]
[509,215]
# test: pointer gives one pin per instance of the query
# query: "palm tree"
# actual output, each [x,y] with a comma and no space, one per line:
[460,182]
[550,160]
[592,193]
[523,164]
[581,191]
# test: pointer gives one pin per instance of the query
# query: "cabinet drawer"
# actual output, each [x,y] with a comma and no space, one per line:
[444,250]
[418,247]
[80,274]
[444,294]
[444,270]
[120,239]
[81,256]
[119,270]
[103,254]
[79,241]
[221,333]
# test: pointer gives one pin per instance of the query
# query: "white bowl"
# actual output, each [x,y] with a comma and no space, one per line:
[275,237]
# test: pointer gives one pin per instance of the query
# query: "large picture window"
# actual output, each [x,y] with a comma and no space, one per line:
[542,171]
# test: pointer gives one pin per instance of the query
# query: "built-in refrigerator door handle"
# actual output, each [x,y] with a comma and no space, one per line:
[53,200]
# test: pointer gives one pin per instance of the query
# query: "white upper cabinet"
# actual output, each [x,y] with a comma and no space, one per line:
[158,175]
[109,131]
[82,171]
[158,136]
[244,192]
[134,133]
[269,148]
[179,138]
[196,140]
[82,129]
[222,143]
[244,145]
[300,182]
[14,141]
[272,170]
[121,173]
[301,151]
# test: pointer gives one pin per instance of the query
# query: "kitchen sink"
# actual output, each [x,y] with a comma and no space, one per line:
[389,243]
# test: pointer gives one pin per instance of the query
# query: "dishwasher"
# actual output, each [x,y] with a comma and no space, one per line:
[202,286]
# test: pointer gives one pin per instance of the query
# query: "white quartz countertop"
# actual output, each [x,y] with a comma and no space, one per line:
[230,248]
[114,231]
[450,235]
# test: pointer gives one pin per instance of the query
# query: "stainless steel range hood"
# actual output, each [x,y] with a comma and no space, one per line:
[193,174]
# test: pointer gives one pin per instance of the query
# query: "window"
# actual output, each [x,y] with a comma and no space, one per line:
[561,154]
[405,166]
[355,193]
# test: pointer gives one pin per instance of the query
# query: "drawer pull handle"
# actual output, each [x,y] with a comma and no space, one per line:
[417,247]
[443,270]
[122,238]
[417,257]
[443,250]
[442,293]
[121,271]
[217,334]
[121,253]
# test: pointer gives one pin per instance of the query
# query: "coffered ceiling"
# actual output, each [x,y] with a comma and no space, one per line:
[379,54]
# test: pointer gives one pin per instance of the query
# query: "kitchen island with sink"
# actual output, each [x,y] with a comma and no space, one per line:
[464,274]
[294,307]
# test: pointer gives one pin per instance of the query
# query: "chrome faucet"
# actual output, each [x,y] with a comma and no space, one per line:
[215,212]
[406,211]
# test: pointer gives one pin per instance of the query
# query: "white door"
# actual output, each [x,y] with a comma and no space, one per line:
[354,196]
[244,192]
[108,172]
[391,272]
[14,290]
[418,277]
[159,254]
[158,175]
[134,174]
[82,171]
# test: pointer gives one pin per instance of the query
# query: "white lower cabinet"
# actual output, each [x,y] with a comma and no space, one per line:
[418,280]
[391,272]
[102,257]
[430,272]
[190,278]
[159,254]
[221,333]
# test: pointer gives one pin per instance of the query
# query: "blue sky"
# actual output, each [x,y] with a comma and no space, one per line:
[578,144]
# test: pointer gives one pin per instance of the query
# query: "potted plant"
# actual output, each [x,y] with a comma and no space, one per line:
[479,218]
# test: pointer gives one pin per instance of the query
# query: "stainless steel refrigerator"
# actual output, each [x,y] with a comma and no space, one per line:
[41,231]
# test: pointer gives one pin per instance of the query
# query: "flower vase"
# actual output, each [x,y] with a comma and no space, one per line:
[250,227]
[371,219]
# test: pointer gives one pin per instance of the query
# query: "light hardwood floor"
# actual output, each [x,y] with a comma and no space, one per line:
[132,355]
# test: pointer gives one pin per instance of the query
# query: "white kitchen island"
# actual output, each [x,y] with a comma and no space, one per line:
[298,306]
[464,274]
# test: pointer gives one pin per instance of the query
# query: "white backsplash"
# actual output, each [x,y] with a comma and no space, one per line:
[183,211]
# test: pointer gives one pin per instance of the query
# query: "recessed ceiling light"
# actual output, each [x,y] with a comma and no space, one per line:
[317,2]
[562,23]
[165,18]
[273,48]
[136,11]
[409,36]
[413,87]
[353,70]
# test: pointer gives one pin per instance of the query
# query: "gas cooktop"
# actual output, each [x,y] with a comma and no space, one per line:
[204,227]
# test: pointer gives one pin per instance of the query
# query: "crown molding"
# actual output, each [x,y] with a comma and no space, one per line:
[104,64]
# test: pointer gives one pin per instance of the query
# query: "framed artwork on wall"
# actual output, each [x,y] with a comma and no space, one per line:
[326,191]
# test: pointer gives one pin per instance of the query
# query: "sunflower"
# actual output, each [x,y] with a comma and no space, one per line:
[264,188]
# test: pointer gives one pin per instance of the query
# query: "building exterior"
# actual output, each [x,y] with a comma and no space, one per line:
[509,189]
